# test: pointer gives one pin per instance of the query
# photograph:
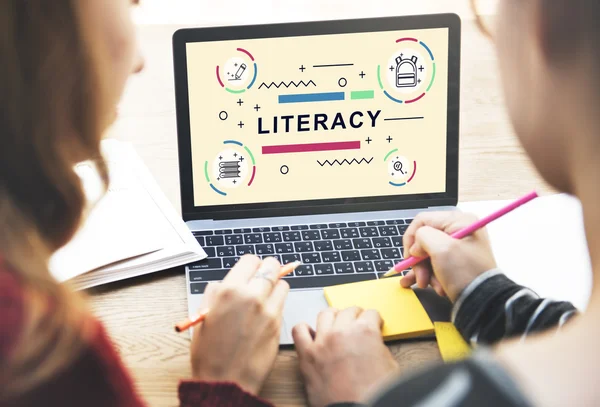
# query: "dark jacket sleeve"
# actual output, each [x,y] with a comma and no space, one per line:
[494,307]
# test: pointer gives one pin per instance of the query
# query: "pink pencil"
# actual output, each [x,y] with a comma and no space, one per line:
[411,261]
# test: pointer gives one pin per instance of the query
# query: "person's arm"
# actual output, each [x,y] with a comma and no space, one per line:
[97,376]
[346,361]
[487,305]
[478,381]
[217,394]
[493,307]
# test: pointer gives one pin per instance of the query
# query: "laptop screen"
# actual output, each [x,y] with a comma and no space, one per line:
[318,117]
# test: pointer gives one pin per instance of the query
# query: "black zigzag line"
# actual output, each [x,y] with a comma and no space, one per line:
[287,85]
[345,161]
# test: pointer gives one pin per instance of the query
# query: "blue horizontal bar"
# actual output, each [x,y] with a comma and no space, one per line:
[311,97]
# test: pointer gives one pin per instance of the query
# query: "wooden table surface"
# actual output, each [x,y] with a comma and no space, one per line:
[139,313]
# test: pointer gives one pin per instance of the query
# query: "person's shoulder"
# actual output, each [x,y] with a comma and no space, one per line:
[11,308]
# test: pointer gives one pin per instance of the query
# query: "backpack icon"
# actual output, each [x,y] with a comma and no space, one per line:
[406,72]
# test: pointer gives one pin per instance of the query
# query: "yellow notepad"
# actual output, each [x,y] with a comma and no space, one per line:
[402,312]
[451,343]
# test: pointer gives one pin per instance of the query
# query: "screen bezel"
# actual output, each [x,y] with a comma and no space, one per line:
[321,206]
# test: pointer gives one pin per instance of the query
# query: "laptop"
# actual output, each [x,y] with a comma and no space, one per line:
[316,141]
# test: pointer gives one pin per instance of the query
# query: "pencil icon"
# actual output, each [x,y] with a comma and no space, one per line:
[240,71]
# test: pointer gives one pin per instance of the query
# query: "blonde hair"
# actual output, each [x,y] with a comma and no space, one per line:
[50,100]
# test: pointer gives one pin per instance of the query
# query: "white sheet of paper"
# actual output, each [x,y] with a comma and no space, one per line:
[542,246]
[118,227]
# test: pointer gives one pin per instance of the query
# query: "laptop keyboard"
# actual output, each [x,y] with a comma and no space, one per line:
[334,253]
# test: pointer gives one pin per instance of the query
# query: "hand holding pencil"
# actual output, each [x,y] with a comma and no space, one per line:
[451,249]
[239,339]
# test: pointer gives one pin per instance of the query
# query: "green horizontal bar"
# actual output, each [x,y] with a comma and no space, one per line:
[362,94]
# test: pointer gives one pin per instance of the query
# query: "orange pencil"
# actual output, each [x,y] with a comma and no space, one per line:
[188,323]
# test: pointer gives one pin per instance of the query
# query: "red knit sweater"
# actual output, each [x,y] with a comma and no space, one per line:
[97,378]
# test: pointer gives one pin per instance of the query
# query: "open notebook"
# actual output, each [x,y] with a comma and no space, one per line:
[132,230]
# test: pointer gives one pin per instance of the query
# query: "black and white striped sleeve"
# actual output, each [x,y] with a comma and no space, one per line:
[493,307]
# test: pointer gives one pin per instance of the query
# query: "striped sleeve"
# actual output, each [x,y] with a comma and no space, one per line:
[493,307]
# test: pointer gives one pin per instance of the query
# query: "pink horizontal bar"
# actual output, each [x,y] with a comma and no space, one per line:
[306,148]
[407,39]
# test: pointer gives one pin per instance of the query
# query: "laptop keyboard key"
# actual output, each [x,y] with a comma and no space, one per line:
[351,255]
[343,268]
[234,239]
[349,233]
[210,251]
[244,230]
[311,235]
[356,224]
[244,249]
[345,244]
[369,232]
[223,251]
[280,228]
[253,238]
[203,233]
[384,265]
[261,230]
[330,233]
[390,253]
[200,240]
[375,223]
[303,247]
[318,226]
[284,248]
[198,288]
[206,264]
[337,225]
[273,237]
[229,262]
[223,232]
[370,254]
[290,258]
[207,275]
[362,243]
[304,270]
[331,257]
[408,221]
[388,231]
[364,267]
[323,245]
[265,249]
[311,258]
[402,229]
[291,236]
[300,227]
[323,269]
[397,241]
[395,222]
[382,242]
[215,241]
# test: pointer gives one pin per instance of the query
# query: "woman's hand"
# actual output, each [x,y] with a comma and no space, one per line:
[453,263]
[239,339]
[346,359]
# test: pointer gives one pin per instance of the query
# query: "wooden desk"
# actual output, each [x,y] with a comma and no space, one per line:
[140,313]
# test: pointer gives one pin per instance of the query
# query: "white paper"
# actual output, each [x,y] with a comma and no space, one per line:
[117,227]
[542,246]
[133,231]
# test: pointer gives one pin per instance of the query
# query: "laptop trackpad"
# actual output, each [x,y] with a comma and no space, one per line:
[301,306]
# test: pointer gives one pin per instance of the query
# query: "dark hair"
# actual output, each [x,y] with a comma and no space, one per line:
[571,27]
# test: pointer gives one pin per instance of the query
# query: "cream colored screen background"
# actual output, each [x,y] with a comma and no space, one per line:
[279,60]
